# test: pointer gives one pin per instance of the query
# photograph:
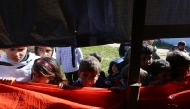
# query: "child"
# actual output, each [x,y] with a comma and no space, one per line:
[99,57]
[47,70]
[22,63]
[179,62]
[146,56]
[45,51]
[115,68]
[89,73]
[181,46]
[174,48]
[160,72]
[125,75]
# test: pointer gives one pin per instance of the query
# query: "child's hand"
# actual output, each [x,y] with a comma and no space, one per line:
[63,85]
[7,80]
[108,83]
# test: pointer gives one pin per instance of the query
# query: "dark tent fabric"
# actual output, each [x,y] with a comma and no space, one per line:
[87,22]
[61,23]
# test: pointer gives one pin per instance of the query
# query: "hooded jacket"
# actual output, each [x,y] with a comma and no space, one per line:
[20,70]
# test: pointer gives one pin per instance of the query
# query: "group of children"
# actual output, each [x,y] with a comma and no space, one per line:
[27,67]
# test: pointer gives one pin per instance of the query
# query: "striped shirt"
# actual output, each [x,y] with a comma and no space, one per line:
[64,58]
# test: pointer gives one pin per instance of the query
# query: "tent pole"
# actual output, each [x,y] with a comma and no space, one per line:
[139,10]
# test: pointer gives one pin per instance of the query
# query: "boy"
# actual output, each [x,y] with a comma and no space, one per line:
[160,72]
[181,46]
[99,57]
[22,63]
[146,56]
[179,62]
[89,73]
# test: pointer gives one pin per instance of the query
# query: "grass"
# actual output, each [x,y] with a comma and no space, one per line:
[107,52]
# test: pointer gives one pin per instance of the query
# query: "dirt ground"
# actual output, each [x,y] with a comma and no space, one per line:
[162,52]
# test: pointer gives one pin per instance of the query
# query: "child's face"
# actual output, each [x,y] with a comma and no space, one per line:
[88,79]
[181,47]
[146,60]
[175,48]
[149,42]
[44,51]
[114,68]
[39,78]
[16,54]
[164,76]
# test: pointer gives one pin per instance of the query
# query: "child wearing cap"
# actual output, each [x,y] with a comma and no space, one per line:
[181,46]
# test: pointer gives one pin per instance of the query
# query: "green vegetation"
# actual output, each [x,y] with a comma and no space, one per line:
[162,45]
[108,53]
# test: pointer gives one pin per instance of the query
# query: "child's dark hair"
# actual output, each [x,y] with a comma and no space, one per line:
[49,67]
[177,59]
[181,43]
[147,49]
[158,66]
[36,50]
[89,64]
[98,56]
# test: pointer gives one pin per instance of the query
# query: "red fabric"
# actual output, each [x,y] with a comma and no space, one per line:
[33,95]
[174,95]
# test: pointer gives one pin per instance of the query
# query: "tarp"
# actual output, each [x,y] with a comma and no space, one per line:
[174,95]
[87,22]
[62,22]
[45,96]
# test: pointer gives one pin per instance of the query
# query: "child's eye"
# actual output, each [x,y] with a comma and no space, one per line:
[21,49]
[40,50]
[11,49]
[48,51]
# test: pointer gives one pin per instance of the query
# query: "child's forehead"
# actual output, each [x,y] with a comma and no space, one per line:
[89,72]
[21,47]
